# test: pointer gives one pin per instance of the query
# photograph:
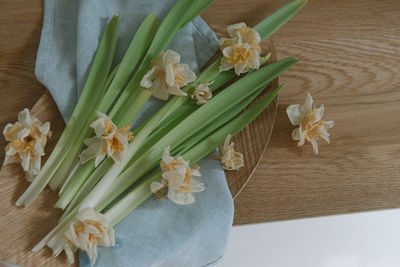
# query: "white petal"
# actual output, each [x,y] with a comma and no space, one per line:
[196,172]
[314,145]
[159,89]
[171,57]
[326,138]
[295,114]
[197,186]
[90,152]
[301,140]
[25,118]
[44,128]
[169,75]
[181,199]
[225,65]
[308,105]
[91,140]
[254,60]
[186,73]
[155,186]
[231,29]
[100,124]
[319,112]
[24,132]
[228,52]
[9,157]
[239,68]
[174,178]
[99,158]
[226,143]
[6,130]
[25,160]
[329,124]
[166,157]
[296,134]
[223,40]
[29,176]
[117,157]
[148,78]
[175,90]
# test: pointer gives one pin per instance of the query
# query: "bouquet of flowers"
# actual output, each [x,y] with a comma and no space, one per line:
[103,170]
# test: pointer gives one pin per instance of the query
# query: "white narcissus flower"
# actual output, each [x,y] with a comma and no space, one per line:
[308,118]
[202,93]
[167,76]
[89,230]
[178,177]
[242,50]
[230,159]
[109,141]
[27,139]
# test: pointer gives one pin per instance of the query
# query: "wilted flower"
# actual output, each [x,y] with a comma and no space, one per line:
[242,50]
[27,139]
[109,141]
[202,93]
[167,76]
[89,230]
[308,118]
[178,177]
[230,159]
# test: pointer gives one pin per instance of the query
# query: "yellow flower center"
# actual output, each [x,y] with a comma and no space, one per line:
[114,143]
[160,74]
[310,129]
[79,228]
[240,55]
[108,127]
[29,141]
[184,188]
[178,78]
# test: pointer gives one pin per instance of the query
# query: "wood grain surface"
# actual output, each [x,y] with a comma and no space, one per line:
[349,55]
[350,61]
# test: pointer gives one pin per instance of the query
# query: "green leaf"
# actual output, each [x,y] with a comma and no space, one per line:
[57,179]
[273,22]
[97,77]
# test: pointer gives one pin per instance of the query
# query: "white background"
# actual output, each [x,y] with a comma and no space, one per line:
[370,239]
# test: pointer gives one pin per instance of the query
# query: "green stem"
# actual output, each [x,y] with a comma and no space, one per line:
[90,95]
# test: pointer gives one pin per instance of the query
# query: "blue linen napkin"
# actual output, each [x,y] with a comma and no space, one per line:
[159,232]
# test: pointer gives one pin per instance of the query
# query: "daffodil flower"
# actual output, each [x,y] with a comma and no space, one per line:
[242,50]
[178,177]
[230,159]
[308,118]
[27,139]
[167,76]
[202,93]
[109,141]
[89,230]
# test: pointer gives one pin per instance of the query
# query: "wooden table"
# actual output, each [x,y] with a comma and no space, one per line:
[350,61]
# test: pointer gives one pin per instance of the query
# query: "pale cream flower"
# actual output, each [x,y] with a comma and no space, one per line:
[242,50]
[308,118]
[27,139]
[202,93]
[109,141]
[89,230]
[178,177]
[230,159]
[167,76]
